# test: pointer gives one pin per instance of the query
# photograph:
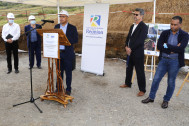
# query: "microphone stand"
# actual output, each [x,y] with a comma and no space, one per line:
[32,100]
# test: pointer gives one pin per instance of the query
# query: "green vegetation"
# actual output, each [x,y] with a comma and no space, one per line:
[22,12]
[20,15]
[47,12]
[7,5]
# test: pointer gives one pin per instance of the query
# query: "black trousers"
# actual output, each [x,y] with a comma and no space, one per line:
[35,50]
[66,65]
[12,47]
[138,63]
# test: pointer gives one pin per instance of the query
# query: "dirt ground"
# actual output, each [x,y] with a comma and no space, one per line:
[98,99]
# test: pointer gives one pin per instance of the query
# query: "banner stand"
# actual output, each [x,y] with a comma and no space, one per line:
[93,73]
[94,38]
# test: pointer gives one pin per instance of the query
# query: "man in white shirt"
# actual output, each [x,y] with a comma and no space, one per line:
[10,35]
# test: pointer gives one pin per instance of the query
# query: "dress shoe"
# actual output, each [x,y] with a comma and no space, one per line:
[147,100]
[39,67]
[16,71]
[124,86]
[30,67]
[68,92]
[9,71]
[164,105]
[140,93]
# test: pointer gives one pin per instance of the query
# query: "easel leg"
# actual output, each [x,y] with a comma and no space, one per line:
[185,80]
[154,70]
[134,74]
[153,66]
[146,63]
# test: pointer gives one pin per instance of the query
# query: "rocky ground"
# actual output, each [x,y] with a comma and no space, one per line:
[98,99]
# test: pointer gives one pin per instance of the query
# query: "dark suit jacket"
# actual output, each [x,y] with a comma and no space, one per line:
[27,28]
[72,36]
[182,38]
[136,40]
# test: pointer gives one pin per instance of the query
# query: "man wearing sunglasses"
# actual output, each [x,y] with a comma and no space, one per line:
[134,46]
[67,54]
[172,44]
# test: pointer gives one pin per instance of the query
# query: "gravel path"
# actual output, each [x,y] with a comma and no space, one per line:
[98,99]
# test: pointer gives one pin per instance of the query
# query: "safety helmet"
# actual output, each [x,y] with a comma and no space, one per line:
[10,15]
[31,17]
[64,12]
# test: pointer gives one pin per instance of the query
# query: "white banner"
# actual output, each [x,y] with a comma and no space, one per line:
[94,38]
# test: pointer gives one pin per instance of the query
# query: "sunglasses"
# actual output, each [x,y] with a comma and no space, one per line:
[63,16]
[135,14]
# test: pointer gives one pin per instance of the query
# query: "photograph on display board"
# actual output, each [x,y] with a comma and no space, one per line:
[163,27]
[150,41]
[152,29]
[187,51]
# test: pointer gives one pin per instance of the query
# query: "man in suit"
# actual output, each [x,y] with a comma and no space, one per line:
[67,52]
[134,47]
[10,35]
[35,42]
[172,44]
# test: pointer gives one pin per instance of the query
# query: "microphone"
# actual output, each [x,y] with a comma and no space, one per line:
[49,21]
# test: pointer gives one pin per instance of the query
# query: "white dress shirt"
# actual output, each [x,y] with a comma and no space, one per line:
[13,29]
[134,27]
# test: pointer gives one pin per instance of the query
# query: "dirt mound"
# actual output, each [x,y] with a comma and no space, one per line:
[119,23]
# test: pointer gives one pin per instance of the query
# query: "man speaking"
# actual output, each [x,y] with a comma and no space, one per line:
[67,52]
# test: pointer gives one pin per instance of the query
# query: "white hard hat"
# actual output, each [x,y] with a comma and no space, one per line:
[10,15]
[64,12]
[31,17]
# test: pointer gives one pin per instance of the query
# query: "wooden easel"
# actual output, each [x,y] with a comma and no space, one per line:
[185,80]
[145,68]
[134,74]
[50,93]
[154,64]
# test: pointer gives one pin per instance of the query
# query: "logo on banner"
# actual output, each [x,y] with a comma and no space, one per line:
[47,36]
[95,20]
[95,29]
